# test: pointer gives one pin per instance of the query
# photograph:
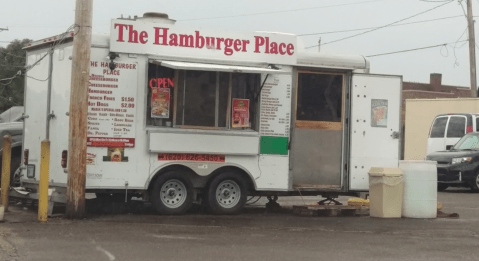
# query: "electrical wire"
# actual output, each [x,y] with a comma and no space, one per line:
[11,79]
[276,12]
[456,63]
[38,79]
[367,28]
[415,49]
[60,41]
[348,37]
[462,7]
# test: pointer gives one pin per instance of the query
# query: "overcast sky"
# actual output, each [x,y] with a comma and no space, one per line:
[39,19]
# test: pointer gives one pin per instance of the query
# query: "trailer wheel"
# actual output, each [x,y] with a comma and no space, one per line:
[172,193]
[227,194]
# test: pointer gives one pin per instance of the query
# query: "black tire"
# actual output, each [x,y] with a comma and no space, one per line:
[225,188]
[475,183]
[175,185]
[442,186]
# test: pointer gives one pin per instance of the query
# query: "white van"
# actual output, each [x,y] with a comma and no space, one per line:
[447,129]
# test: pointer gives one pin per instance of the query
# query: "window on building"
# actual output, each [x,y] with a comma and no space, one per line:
[205,98]
[319,97]
[439,127]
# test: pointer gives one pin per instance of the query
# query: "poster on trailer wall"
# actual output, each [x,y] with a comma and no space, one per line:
[240,113]
[160,103]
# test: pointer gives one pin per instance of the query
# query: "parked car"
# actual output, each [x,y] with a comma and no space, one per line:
[447,129]
[458,166]
[11,123]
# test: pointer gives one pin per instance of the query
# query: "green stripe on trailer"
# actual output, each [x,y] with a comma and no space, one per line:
[274,145]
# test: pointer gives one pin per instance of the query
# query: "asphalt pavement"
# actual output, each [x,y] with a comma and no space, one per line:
[139,234]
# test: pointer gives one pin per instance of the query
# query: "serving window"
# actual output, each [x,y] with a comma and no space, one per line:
[202,99]
[320,100]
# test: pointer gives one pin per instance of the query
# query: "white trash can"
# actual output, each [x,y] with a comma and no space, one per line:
[420,188]
[385,192]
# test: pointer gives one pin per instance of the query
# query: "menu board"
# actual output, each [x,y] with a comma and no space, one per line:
[276,106]
[111,105]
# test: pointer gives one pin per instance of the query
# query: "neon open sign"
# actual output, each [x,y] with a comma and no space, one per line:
[161,83]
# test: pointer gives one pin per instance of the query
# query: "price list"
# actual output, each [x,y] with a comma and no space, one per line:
[276,106]
[111,105]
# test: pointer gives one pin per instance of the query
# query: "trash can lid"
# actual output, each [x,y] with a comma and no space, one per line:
[379,172]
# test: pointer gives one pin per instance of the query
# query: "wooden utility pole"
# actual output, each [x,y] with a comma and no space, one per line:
[472,49]
[77,139]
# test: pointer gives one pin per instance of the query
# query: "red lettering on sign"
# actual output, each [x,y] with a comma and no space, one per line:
[161,83]
[132,35]
[200,40]
[143,37]
[259,41]
[228,44]
[161,33]
[281,51]
[274,48]
[237,45]
[191,157]
[120,31]
[290,49]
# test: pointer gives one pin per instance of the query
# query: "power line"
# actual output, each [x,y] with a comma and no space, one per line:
[415,49]
[38,79]
[276,12]
[341,39]
[367,28]
[60,41]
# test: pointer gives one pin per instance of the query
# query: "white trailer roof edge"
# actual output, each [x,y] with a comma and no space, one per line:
[328,60]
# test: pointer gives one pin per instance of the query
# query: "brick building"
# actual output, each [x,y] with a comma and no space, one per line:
[432,90]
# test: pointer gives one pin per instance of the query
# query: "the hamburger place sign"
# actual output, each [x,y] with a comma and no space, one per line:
[169,40]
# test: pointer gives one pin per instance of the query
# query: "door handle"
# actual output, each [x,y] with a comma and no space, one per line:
[395,135]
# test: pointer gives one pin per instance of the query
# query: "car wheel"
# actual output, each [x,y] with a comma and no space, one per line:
[475,183]
[172,193]
[226,194]
[442,186]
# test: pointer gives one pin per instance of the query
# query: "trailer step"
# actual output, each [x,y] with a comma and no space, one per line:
[329,210]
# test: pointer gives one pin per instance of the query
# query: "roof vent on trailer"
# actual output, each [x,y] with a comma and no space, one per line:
[157,18]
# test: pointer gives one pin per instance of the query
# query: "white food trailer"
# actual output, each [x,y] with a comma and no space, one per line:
[179,115]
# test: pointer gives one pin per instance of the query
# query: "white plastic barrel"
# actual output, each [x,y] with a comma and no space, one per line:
[420,189]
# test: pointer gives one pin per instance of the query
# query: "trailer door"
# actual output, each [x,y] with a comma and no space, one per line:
[317,143]
[375,126]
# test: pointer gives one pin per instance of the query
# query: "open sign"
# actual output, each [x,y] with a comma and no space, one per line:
[161,83]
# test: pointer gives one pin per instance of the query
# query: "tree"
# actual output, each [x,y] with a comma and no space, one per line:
[12,60]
